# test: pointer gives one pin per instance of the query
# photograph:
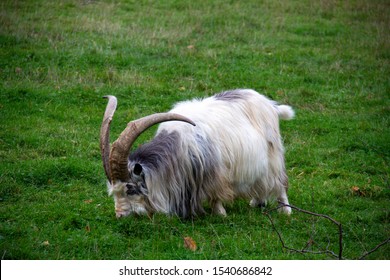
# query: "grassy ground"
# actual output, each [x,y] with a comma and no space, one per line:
[328,59]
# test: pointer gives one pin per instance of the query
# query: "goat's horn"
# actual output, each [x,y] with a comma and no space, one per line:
[105,134]
[121,147]
[118,156]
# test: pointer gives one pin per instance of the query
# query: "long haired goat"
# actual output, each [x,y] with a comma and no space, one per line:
[215,150]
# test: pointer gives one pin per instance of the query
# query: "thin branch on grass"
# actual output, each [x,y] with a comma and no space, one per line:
[376,248]
[326,251]
[338,224]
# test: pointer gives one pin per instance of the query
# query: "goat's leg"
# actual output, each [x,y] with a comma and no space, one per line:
[218,208]
[283,199]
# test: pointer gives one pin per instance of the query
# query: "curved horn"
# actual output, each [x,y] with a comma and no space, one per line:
[105,134]
[121,147]
[115,161]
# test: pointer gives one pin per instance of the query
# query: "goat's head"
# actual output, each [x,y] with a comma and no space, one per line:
[126,180]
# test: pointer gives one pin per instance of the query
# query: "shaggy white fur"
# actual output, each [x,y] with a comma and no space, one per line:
[235,150]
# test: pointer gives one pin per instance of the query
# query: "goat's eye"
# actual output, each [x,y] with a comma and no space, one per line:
[137,169]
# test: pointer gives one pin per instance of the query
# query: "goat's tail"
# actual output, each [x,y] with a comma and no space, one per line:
[285,112]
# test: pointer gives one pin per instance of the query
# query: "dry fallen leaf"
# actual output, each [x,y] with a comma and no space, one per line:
[88,201]
[45,243]
[356,190]
[189,243]
[87,228]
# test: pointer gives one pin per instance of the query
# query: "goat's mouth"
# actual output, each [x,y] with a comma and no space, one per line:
[120,214]
[136,209]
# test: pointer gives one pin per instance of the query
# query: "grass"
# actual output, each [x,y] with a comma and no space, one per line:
[328,59]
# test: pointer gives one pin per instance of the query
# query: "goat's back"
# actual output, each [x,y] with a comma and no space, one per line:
[242,128]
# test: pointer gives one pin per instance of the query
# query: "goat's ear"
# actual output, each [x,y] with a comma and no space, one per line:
[137,169]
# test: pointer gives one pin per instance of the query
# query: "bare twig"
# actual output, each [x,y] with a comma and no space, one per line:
[326,251]
[339,255]
[302,251]
[376,248]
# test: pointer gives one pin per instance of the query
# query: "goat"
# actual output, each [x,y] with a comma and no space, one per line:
[210,150]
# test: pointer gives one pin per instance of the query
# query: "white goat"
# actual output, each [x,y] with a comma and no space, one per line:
[232,149]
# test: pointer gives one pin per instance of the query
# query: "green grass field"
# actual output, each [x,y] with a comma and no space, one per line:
[328,59]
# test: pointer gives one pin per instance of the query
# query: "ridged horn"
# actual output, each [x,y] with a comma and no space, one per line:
[105,134]
[115,162]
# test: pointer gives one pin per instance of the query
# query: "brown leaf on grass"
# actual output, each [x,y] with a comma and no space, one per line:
[87,228]
[88,201]
[356,190]
[45,243]
[189,243]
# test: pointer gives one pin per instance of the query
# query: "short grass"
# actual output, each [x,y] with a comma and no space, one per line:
[328,59]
